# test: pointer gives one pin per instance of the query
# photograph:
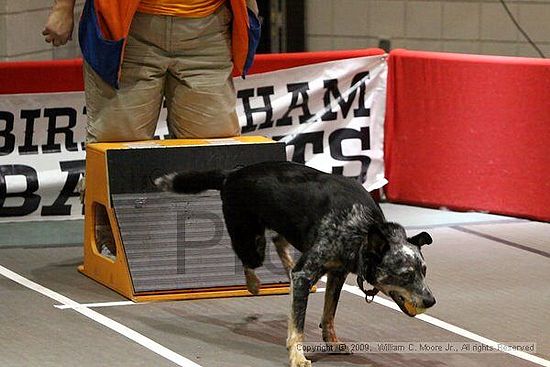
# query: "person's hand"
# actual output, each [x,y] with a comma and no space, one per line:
[59,26]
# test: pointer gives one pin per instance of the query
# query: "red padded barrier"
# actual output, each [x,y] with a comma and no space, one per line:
[41,76]
[269,62]
[469,132]
[66,75]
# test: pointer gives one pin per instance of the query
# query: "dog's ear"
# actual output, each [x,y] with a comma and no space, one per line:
[420,239]
[377,241]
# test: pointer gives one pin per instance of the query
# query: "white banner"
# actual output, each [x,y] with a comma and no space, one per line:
[330,115]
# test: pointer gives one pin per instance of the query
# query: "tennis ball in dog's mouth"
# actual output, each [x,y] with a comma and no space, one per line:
[420,310]
[411,309]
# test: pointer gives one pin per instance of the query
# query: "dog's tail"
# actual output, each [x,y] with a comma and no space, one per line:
[192,182]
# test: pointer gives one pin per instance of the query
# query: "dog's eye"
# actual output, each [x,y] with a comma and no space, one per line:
[405,271]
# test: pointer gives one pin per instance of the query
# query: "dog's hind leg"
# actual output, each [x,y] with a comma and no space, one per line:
[335,282]
[283,250]
[253,283]
[248,242]
[254,258]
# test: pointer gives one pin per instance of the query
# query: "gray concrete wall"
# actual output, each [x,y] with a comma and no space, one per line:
[476,27]
[467,26]
[21,25]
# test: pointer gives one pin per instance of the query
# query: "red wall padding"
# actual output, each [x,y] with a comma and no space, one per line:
[66,75]
[41,76]
[270,62]
[469,133]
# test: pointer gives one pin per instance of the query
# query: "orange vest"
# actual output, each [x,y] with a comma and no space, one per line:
[179,8]
[105,24]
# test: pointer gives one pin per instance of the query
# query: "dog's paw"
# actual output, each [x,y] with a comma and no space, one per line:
[165,183]
[329,337]
[300,361]
[253,283]
[296,355]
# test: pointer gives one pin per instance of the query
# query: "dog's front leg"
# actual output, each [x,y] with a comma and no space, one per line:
[300,285]
[335,281]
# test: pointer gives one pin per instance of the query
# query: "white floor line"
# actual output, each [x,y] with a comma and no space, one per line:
[103,320]
[99,304]
[449,327]
[121,303]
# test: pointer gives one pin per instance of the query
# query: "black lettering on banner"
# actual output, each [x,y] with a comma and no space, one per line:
[331,89]
[246,95]
[6,133]
[30,117]
[335,142]
[298,90]
[302,140]
[74,170]
[31,201]
[53,114]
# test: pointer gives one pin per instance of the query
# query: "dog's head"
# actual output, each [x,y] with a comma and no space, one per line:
[394,265]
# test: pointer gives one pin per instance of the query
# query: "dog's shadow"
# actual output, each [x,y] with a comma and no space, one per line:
[259,333]
[264,337]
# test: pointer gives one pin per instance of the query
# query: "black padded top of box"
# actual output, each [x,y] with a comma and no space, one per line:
[133,170]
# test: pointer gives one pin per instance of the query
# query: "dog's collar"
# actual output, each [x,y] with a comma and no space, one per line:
[368,276]
[369,294]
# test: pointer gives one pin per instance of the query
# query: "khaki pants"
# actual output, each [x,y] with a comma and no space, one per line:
[185,60]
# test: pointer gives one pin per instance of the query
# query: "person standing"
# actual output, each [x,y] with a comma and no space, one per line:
[138,54]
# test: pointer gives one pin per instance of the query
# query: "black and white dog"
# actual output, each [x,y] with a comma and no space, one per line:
[332,220]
